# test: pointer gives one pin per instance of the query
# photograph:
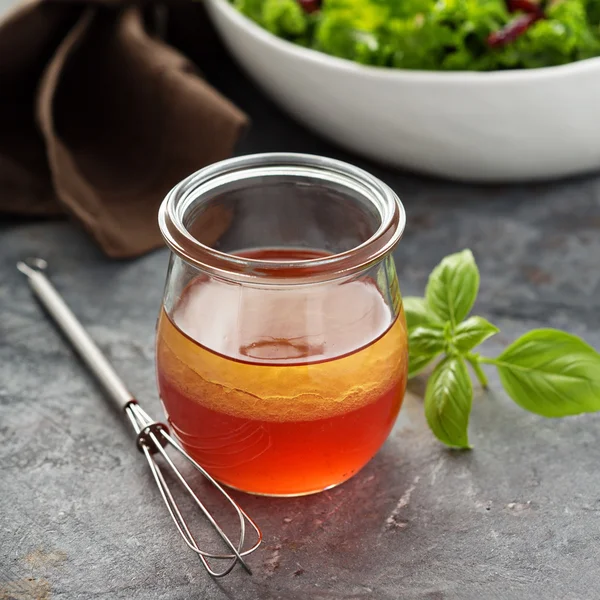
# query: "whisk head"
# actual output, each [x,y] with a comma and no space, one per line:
[152,439]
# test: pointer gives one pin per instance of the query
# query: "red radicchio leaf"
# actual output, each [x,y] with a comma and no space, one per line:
[526,6]
[513,30]
[310,6]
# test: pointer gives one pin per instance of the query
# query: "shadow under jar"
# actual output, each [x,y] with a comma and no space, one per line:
[282,348]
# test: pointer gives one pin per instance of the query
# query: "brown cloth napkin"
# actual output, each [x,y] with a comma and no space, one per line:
[99,119]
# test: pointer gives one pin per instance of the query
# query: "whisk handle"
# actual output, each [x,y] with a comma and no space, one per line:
[75,332]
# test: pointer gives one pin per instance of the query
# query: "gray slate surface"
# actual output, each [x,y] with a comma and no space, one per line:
[517,518]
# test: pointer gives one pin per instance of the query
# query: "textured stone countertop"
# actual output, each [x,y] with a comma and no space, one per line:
[516,518]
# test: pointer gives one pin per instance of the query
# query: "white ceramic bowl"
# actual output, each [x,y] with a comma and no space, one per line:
[498,126]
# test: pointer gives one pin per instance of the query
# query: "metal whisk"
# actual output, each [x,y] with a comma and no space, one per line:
[152,436]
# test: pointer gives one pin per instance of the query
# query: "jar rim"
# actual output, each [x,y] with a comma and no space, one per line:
[229,266]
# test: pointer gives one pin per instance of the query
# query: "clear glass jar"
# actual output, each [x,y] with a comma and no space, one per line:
[282,348]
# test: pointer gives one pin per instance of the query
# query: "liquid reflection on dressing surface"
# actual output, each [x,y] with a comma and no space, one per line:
[227,449]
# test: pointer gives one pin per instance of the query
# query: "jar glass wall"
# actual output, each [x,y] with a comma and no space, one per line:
[282,347]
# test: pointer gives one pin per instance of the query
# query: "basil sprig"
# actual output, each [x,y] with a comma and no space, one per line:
[546,371]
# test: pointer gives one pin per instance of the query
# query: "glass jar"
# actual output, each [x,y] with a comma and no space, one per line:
[282,347]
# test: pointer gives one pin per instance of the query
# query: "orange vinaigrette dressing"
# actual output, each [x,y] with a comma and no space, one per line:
[295,393]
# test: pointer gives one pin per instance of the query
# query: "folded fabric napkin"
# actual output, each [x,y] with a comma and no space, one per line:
[99,118]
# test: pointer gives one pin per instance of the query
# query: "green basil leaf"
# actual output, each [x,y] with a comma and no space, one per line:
[453,286]
[417,312]
[448,400]
[424,344]
[418,362]
[551,373]
[426,340]
[472,332]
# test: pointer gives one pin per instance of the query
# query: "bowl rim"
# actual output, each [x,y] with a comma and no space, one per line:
[344,64]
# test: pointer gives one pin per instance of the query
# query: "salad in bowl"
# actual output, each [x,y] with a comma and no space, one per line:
[476,90]
[441,35]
